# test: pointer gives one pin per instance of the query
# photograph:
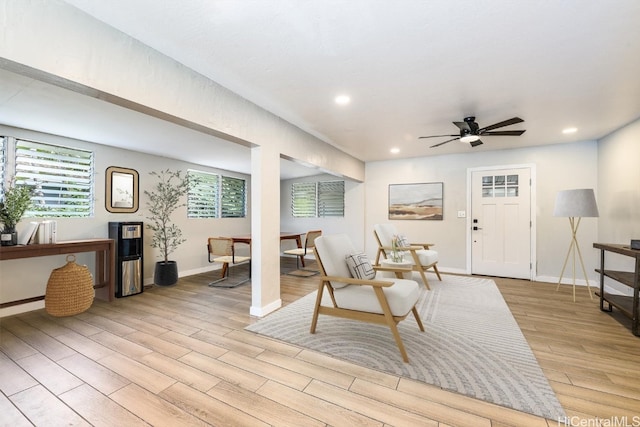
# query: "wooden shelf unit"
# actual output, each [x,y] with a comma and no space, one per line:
[628,305]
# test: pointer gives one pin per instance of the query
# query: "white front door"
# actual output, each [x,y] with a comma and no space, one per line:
[501,222]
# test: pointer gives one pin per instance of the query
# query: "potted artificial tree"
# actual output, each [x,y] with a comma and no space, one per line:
[164,199]
[15,202]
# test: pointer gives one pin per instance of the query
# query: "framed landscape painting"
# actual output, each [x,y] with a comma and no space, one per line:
[416,201]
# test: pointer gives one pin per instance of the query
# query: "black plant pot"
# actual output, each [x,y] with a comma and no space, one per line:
[9,238]
[166,273]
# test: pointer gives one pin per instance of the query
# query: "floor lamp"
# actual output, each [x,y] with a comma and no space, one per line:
[575,204]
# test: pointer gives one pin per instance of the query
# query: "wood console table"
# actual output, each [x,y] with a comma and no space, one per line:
[627,305]
[104,275]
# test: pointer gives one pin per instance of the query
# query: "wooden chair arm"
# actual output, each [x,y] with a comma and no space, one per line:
[393,269]
[354,281]
[424,245]
[413,247]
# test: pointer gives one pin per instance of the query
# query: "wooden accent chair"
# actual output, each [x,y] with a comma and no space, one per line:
[300,253]
[385,302]
[420,254]
[221,249]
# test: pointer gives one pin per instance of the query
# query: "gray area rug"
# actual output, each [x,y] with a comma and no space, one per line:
[472,345]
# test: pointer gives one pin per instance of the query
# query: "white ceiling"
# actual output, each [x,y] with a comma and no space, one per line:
[411,68]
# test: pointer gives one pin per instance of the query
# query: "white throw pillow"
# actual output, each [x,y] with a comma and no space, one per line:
[360,266]
[403,242]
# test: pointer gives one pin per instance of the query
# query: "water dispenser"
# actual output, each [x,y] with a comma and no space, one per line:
[128,246]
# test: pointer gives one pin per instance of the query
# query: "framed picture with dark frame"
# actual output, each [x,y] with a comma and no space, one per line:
[416,201]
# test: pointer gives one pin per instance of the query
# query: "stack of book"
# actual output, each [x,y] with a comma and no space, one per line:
[43,232]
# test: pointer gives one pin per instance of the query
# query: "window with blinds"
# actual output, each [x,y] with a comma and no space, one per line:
[233,198]
[330,198]
[216,196]
[62,178]
[303,199]
[317,199]
[202,198]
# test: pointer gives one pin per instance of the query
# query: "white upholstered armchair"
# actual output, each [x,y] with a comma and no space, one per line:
[419,254]
[350,288]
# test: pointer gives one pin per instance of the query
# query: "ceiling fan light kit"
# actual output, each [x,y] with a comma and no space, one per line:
[470,131]
[468,138]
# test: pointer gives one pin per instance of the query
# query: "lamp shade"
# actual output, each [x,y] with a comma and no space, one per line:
[576,203]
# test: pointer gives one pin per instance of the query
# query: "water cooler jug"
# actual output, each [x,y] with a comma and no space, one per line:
[128,246]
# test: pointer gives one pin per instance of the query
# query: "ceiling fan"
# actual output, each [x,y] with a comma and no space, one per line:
[471,132]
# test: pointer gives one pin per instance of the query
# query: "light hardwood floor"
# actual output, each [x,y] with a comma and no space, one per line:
[180,356]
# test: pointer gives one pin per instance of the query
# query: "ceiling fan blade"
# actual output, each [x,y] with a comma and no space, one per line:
[442,143]
[475,143]
[511,121]
[505,133]
[463,126]
[434,136]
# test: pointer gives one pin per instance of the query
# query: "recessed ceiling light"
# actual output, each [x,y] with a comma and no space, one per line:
[342,99]
[569,130]
[395,150]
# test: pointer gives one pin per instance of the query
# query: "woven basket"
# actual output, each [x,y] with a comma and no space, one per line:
[69,289]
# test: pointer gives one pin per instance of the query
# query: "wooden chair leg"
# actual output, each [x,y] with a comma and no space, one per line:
[391,323]
[225,268]
[414,310]
[419,268]
[396,336]
[314,320]
[223,276]
[424,276]
[435,268]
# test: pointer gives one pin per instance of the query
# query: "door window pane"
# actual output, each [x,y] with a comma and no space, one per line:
[500,186]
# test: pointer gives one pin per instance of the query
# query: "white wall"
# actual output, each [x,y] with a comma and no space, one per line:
[351,224]
[27,278]
[619,195]
[558,167]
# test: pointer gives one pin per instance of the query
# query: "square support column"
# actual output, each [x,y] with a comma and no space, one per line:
[265,230]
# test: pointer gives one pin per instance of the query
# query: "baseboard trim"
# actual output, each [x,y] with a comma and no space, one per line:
[263,311]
